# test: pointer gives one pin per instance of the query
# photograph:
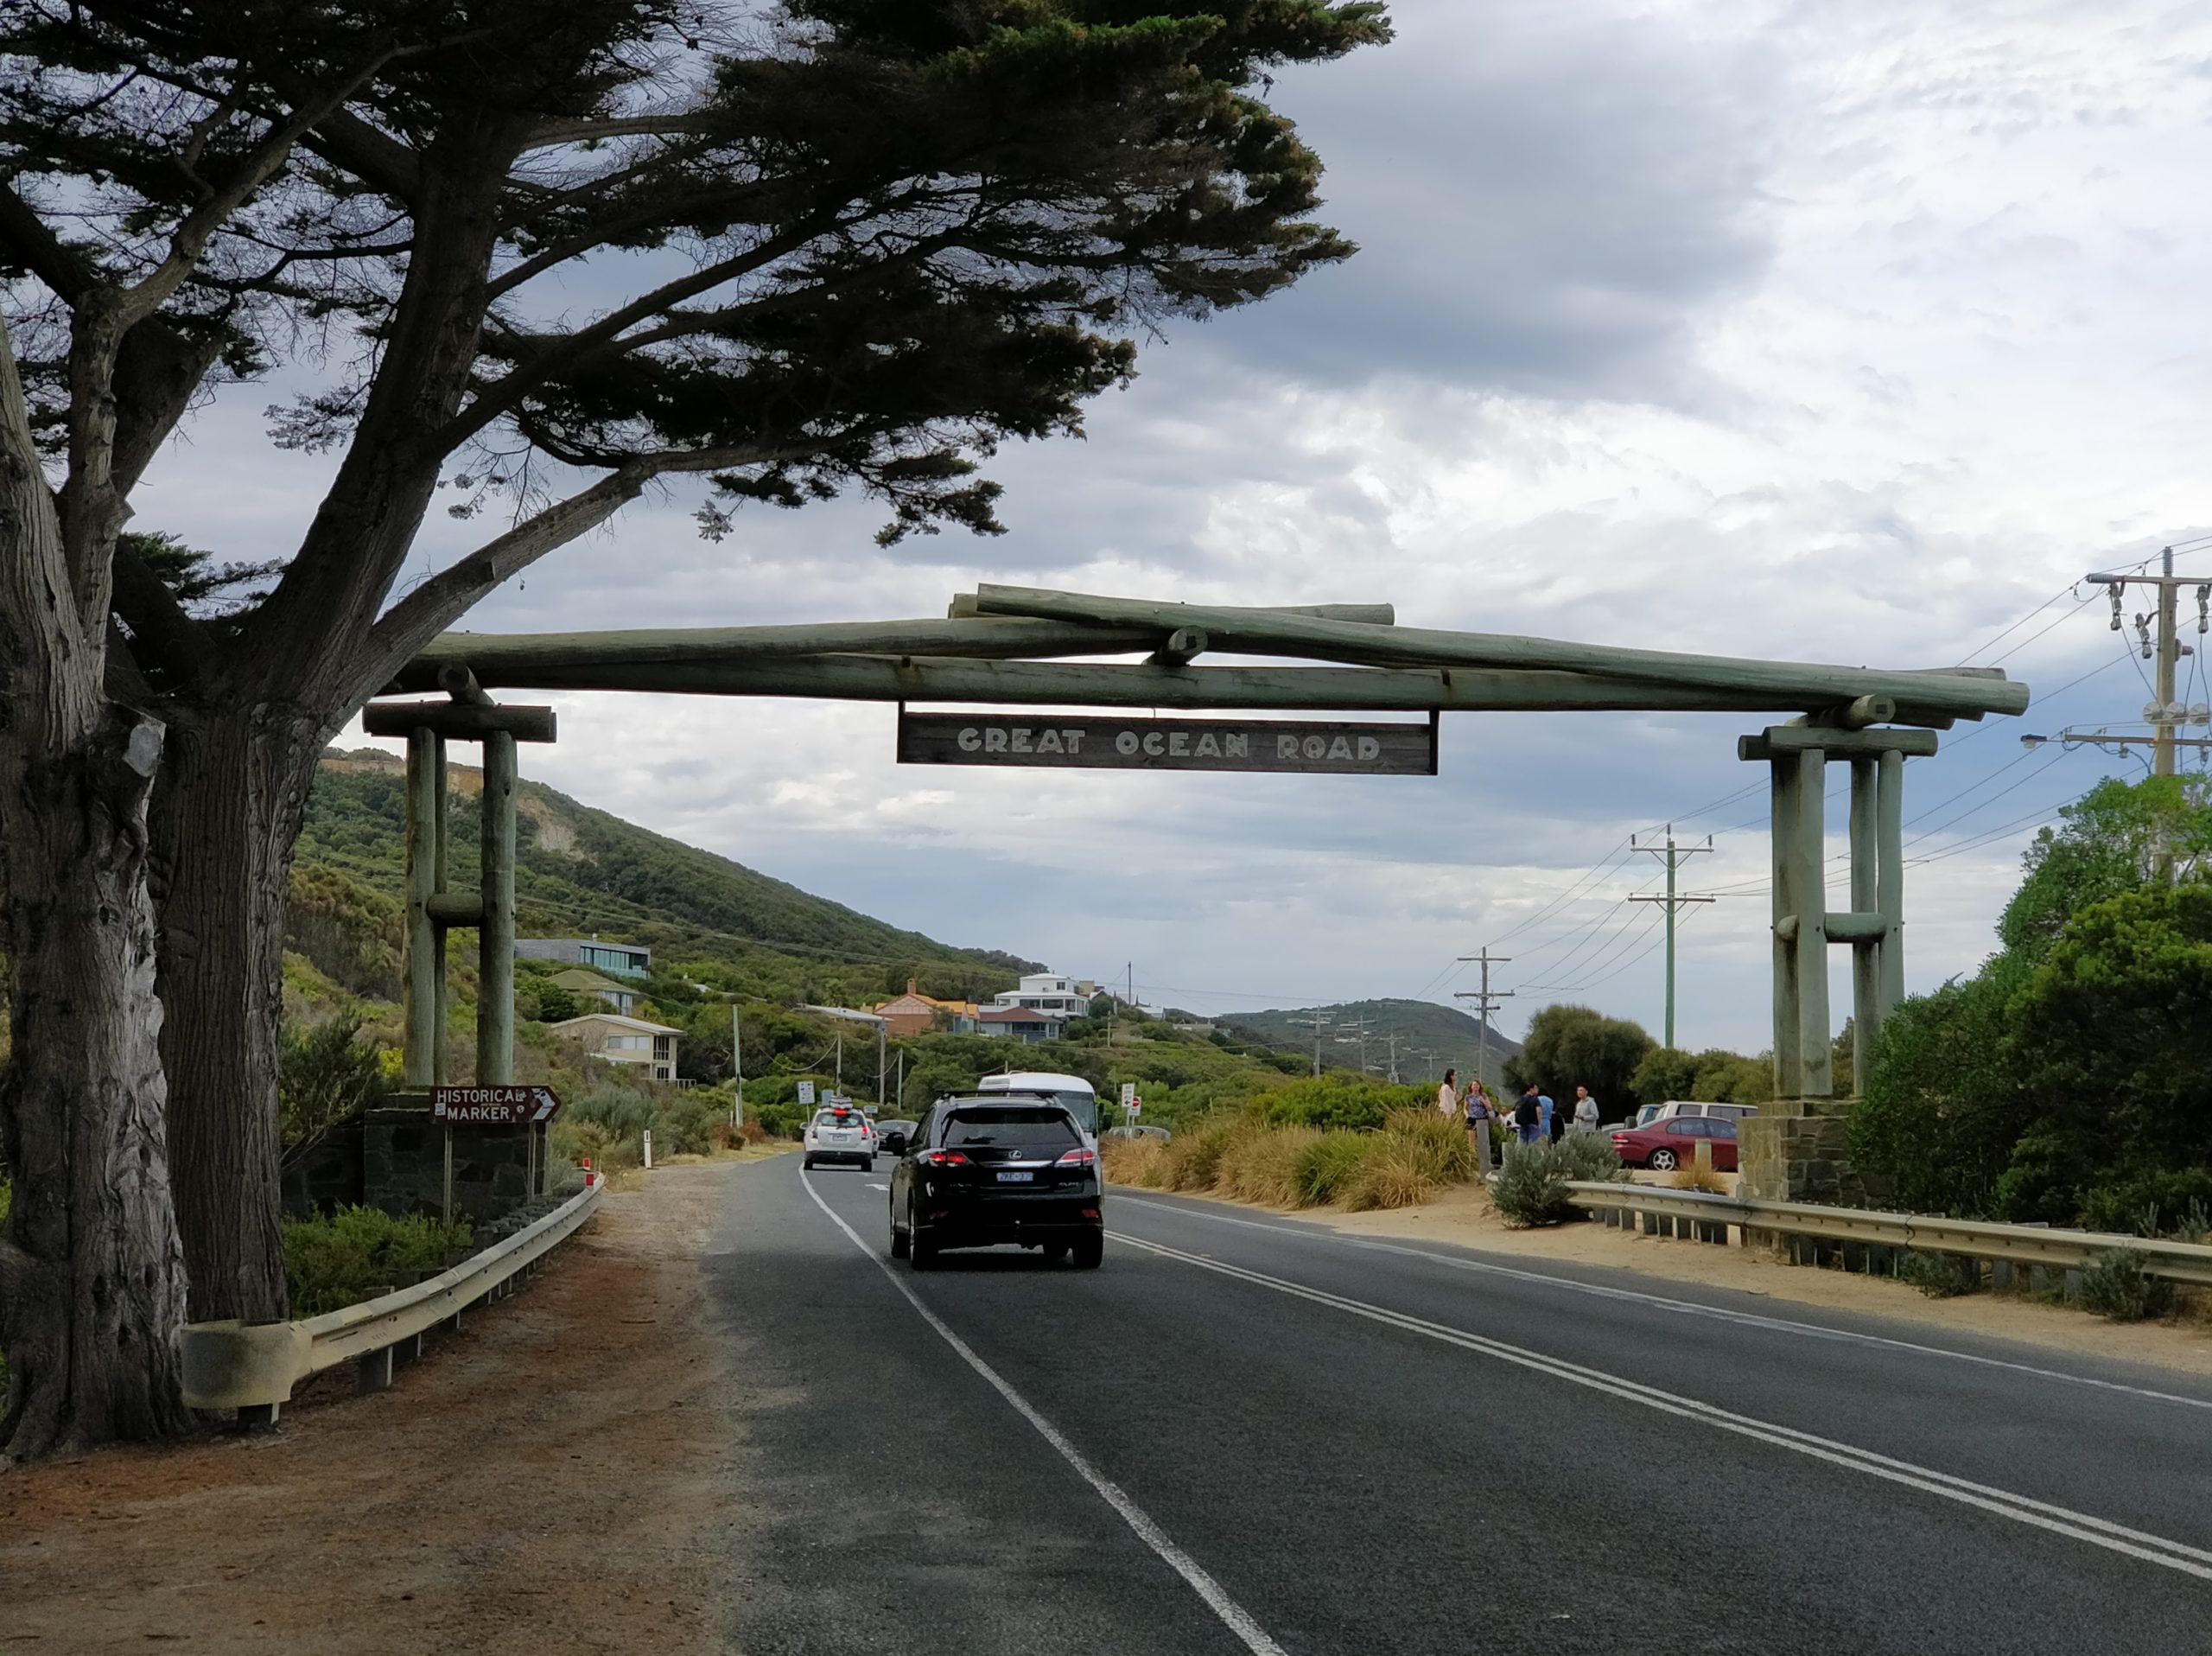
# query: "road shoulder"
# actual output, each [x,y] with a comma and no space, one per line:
[1464,1218]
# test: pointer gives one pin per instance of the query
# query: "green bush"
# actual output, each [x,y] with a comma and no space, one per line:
[1325,1167]
[326,1075]
[1531,1188]
[1940,1275]
[2118,1284]
[338,1260]
[1334,1101]
[2149,1204]
[779,1120]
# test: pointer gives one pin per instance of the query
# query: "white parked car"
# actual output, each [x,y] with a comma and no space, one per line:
[839,1134]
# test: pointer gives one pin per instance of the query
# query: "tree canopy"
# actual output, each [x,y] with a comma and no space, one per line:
[1569,1047]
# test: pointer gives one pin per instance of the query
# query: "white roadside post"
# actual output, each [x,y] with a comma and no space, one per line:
[649,1149]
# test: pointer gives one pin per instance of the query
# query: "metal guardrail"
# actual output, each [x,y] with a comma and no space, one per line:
[254,1367]
[2030,1245]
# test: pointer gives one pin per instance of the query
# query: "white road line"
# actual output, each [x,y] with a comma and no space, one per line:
[877,1184]
[1233,1615]
[2021,1509]
[1685,1308]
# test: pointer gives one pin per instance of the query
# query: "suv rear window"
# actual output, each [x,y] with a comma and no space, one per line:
[1014,1127]
[831,1118]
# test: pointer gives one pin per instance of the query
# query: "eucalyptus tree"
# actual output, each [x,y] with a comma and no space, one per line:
[543,259]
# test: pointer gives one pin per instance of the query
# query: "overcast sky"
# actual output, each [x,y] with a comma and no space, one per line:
[1843,333]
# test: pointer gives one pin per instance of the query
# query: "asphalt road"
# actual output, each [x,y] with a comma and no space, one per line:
[1245,1434]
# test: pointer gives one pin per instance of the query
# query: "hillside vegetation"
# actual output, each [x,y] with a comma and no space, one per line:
[1430,1038]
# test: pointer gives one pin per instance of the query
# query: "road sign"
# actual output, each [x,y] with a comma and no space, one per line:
[1048,740]
[492,1106]
[1129,1093]
[806,1092]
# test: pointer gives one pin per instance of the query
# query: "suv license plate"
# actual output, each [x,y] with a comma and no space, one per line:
[1016,1178]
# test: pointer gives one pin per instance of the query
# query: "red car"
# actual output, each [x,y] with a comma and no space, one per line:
[1673,1142]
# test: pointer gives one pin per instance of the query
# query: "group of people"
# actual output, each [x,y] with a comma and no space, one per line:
[1533,1115]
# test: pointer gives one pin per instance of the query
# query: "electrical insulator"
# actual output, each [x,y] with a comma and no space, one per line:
[2115,608]
[2142,631]
[2150,713]
[2199,713]
[2204,608]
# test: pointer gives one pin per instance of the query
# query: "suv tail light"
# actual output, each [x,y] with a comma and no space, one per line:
[942,1159]
[1082,1157]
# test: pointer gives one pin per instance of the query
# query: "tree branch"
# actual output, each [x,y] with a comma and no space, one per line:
[447,596]
[29,239]
[162,634]
[553,133]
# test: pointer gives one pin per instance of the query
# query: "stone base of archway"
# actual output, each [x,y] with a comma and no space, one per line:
[1797,1150]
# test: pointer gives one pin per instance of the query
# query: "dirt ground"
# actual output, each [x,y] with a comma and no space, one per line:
[568,1491]
[1464,1216]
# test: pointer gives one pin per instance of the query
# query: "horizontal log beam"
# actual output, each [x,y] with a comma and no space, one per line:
[456,908]
[458,721]
[1839,926]
[1782,739]
[1055,683]
[1276,634]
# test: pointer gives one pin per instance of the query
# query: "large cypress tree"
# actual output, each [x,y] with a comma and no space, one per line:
[827,244]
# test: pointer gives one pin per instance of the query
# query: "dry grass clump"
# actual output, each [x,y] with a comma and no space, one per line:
[1141,1161]
[1695,1175]
[1262,1166]
[1326,1167]
[1194,1155]
[1397,1173]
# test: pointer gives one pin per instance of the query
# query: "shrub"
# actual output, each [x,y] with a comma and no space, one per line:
[1940,1275]
[1531,1188]
[779,1120]
[1693,1176]
[1330,1101]
[1440,1148]
[1262,1165]
[752,1131]
[1398,1172]
[337,1260]
[2149,1204]
[2118,1284]
[1193,1158]
[1135,1161]
[1325,1167]
[326,1075]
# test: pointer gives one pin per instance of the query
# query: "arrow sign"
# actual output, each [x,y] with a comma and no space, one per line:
[494,1106]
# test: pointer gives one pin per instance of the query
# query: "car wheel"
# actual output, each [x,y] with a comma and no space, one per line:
[898,1241]
[1662,1159]
[806,1164]
[1089,1250]
[921,1252]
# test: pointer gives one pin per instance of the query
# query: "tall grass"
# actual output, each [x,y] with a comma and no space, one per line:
[1413,1153]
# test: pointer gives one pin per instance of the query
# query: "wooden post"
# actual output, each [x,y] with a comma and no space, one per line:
[1888,834]
[495,936]
[1865,952]
[420,995]
[1789,1081]
[1816,1068]
[441,875]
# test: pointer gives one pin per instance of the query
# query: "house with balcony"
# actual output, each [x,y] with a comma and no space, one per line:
[619,1039]
[1044,992]
[622,959]
[585,984]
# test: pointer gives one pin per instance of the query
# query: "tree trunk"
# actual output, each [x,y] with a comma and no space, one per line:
[92,1278]
[232,793]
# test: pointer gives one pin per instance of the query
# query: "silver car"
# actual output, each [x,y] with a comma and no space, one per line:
[839,1134]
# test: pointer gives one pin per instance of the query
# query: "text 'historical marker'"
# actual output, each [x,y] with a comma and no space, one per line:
[492,1106]
[1332,748]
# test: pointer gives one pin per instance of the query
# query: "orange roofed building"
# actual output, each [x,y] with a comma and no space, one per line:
[914,1013]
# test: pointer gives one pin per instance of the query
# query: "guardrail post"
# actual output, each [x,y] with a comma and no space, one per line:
[373,1372]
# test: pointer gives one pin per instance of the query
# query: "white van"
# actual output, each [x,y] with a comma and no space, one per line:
[1077,1094]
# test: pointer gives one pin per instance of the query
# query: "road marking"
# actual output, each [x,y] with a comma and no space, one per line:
[1686,1308]
[2021,1509]
[1233,1615]
[875,1184]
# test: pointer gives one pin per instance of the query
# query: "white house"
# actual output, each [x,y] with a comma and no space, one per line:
[624,1041]
[1043,992]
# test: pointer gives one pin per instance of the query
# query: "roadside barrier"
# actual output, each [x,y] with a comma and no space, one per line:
[1698,1216]
[252,1367]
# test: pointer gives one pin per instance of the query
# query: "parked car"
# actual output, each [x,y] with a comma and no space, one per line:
[1650,1112]
[1160,1133]
[839,1133]
[985,1170]
[1672,1143]
[891,1137]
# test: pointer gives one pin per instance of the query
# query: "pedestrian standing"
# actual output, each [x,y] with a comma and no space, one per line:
[1479,1112]
[1586,1111]
[1447,1095]
[1528,1115]
[1548,1124]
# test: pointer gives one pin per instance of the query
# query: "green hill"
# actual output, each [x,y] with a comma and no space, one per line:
[581,871]
[1428,1037]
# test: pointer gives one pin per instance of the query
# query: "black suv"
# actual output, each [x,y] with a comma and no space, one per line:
[991,1168]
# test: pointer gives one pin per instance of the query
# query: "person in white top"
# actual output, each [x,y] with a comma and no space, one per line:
[1585,1110]
[1447,1095]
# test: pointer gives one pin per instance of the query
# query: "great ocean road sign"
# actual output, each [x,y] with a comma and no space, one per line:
[1049,741]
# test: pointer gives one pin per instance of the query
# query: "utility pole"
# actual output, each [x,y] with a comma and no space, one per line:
[1319,1021]
[1674,860]
[841,1060]
[737,1066]
[1394,1058]
[1485,1003]
[2163,713]
[881,1026]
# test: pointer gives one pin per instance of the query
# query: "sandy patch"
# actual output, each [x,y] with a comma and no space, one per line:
[556,1477]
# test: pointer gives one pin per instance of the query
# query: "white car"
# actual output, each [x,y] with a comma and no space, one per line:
[839,1134]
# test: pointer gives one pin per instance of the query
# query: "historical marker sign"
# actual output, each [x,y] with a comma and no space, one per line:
[492,1106]
[1049,741]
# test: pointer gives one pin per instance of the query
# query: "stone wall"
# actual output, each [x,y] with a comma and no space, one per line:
[1799,1150]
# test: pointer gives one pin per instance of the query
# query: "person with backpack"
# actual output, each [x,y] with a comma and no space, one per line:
[1528,1115]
